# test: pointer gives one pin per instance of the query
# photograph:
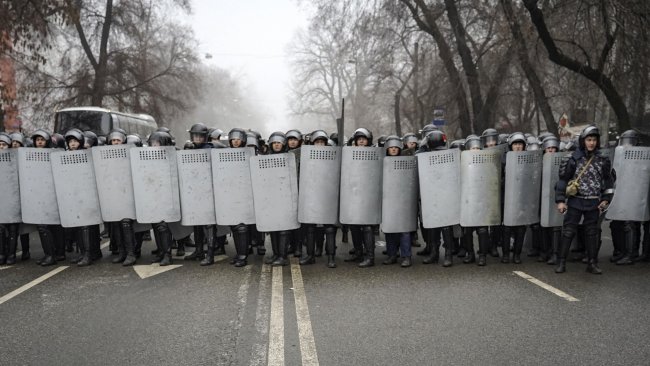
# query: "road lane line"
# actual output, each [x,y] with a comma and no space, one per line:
[546,286]
[258,357]
[276,326]
[26,287]
[105,244]
[305,334]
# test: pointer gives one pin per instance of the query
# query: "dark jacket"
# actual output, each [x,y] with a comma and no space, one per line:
[598,175]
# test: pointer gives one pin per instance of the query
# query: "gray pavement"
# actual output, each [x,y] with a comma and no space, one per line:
[106,314]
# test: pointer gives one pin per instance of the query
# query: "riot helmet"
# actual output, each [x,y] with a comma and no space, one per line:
[75,134]
[410,140]
[362,133]
[17,139]
[117,136]
[436,140]
[503,138]
[319,135]
[44,135]
[252,141]
[590,130]
[628,138]
[5,141]
[160,138]
[198,133]
[277,142]
[159,129]
[215,135]
[134,140]
[237,134]
[457,144]
[381,140]
[473,142]
[516,138]
[427,128]
[393,145]
[101,140]
[58,141]
[91,139]
[551,142]
[490,137]
[294,139]
[335,137]
[532,146]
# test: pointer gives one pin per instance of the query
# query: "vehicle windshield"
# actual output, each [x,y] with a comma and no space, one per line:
[95,121]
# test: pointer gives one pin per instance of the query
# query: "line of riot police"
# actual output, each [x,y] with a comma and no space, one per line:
[299,189]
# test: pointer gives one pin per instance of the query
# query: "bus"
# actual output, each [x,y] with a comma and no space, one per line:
[101,121]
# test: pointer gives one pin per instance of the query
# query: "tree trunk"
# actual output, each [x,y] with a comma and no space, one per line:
[596,76]
[398,120]
[529,70]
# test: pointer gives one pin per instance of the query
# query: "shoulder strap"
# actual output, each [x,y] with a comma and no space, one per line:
[584,168]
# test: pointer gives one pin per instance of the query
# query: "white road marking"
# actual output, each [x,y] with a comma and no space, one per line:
[146,271]
[4,267]
[276,327]
[26,287]
[242,295]
[546,286]
[105,244]
[305,334]
[259,348]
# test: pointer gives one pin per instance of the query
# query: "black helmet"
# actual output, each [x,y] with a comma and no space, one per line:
[215,134]
[436,140]
[319,134]
[473,141]
[335,137]
[117,133]
[58,141]
[17,137]
[237,134]
[362,132]
[5,138]
[409,137]
[551,141]
[134,140]
[91,138]
[76,134]
[199,129]
[44,134]
[159,129]
[393,141]
[163,138]
[516,137]
[490,137]
[503,138]
[628,138]
[457,144]
[590,130]
[101,140]
[428,128]
[294,134]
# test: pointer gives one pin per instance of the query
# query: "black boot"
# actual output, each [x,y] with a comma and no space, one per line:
[406,262]
[12,243]
[47,241]
[283,246]
[83,242]
[369,247]
[128,238]
[319,242]
[565,245]
[344,235]
[520,233]
[24,245]
[555,243]
[448,238]
[330,246]
[241,246]
[392,259]
[209,255]
[275,249]
[483,245]
[468,243]
[629,245]
[166,240]
[434,254]
[3,247]
[592,244]
[309,259]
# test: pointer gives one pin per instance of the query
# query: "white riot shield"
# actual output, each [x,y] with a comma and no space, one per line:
[37,196]
[439,173]
[155,184]
[196,190]
[10,206]
[114,182]
[318,197]
[630,202]
[76,190]
[233,192]
[399,205]
[523,187]
[275,192]
[550,217]
[480,177]
[360,199]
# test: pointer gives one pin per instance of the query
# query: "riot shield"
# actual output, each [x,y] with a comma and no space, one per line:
[399,204]
[630,202]
[360,199]
[480,177]
[550,217]
[523,187]
[439,173]
[37,196]
[318,196]
[76,190]
[10,206]
[196,190]
[114,182]
[275,192]
[155,184]
[179,231]
[233,192]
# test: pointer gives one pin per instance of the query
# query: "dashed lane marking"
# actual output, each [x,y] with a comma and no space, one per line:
[31,284]
[546,286]
[259,348]
[305,334]
[276,327]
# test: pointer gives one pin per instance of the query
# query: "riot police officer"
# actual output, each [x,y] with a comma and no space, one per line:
[240,232]
[550,235]
[8,231]
[516,142]
[583,193]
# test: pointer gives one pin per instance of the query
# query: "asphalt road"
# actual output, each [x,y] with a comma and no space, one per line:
[107,314]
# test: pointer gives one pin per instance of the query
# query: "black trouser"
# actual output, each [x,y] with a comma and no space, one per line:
[363,238]
[587,211]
